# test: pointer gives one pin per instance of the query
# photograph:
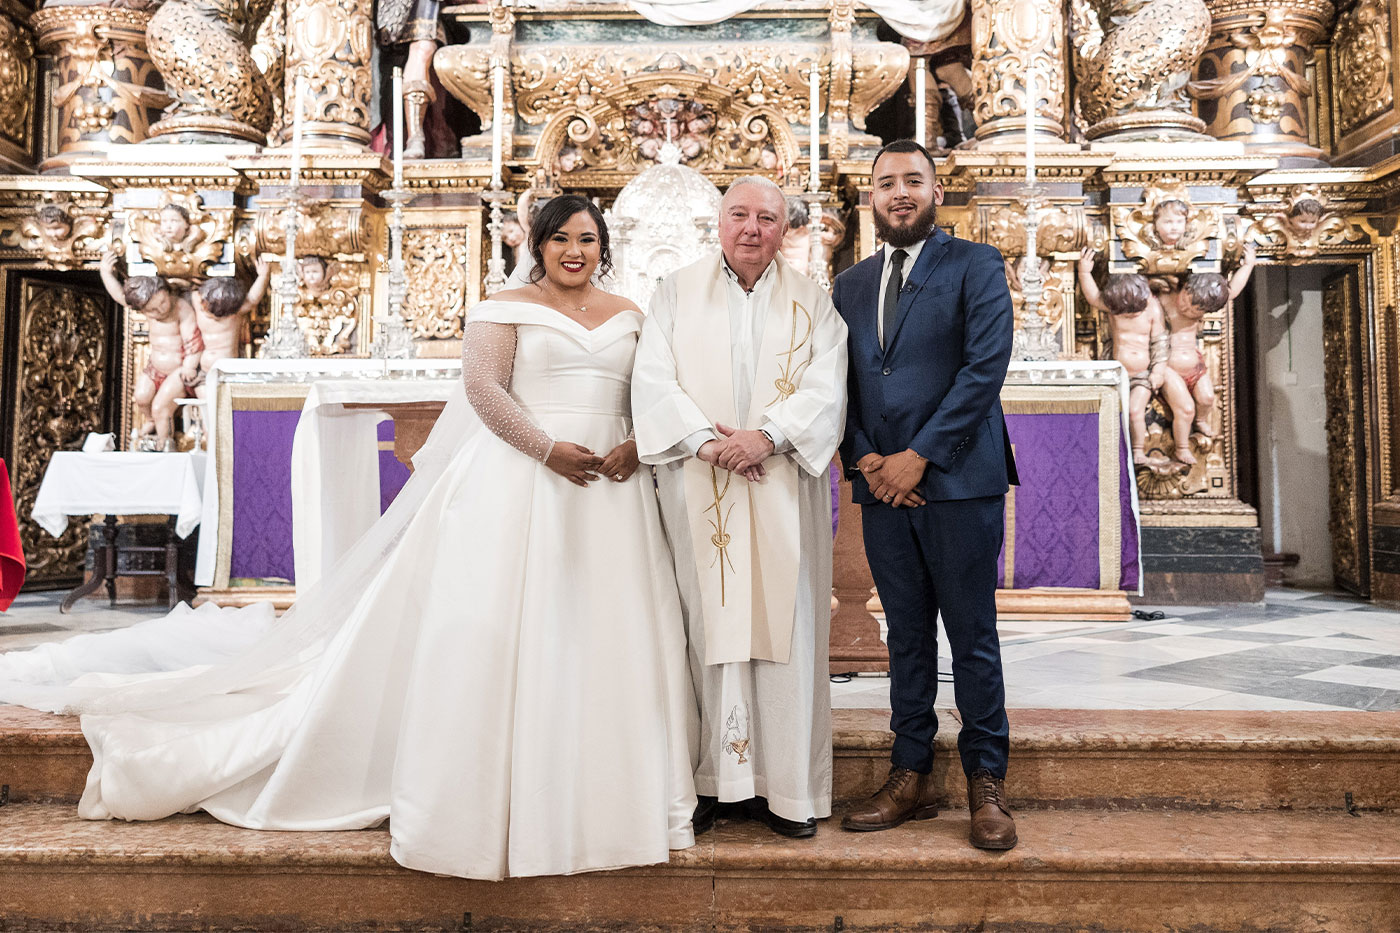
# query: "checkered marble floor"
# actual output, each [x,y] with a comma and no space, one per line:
[1299,650]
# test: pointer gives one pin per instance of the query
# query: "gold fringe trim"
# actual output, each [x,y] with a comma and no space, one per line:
[1069,406]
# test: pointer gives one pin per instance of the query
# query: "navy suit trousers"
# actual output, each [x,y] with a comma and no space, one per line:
[941,558]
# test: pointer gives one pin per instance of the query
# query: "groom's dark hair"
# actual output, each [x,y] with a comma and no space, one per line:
[553,216]
[904,145]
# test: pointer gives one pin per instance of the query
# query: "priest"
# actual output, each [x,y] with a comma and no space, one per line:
[738,399]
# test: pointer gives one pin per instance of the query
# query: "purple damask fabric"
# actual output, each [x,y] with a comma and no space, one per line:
[262,494]
[1055,539]
[835,472]
[392,474]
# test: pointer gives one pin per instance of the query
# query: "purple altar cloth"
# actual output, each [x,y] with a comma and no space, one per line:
[1054,535]
[261,546]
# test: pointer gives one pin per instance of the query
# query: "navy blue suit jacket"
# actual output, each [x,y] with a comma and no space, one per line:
[935,387]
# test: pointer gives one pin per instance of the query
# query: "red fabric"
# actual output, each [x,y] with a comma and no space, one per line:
[12,567]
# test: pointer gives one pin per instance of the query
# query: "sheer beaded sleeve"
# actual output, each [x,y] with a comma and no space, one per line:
[488,357]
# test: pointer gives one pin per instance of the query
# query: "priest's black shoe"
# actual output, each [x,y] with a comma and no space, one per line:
[705,812]
[757,809]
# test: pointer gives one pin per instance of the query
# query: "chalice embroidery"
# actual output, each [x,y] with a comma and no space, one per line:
[788,376]
[736,733]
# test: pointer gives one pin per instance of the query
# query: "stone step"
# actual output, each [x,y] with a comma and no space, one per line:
[1073,870]
[1105,759]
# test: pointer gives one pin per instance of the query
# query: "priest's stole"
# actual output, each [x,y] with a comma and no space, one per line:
[257,423]
[1071,522]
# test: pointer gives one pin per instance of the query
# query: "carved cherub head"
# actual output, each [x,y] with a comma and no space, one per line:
[174,224]
[1304,215]
[315,274]
[149,294]
[221,296]
[1126,294]
[1203,293]
[55,224]
[512,233]
[1169,221]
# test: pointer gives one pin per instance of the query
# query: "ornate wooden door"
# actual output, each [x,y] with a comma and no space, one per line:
[61,335]
[1344,369]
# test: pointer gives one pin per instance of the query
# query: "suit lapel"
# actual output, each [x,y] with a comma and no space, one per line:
[929,257]
[870,293]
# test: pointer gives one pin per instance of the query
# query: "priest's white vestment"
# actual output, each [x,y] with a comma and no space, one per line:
[753,560]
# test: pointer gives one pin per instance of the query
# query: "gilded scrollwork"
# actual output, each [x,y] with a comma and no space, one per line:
[1252,80]
[202,48]
[324,228]
[1166,233]
[1132,60]
[1305,222]
[181,237]
[436,260]
[329,49]
[63,234]
[1361,55]
[1008,38]
[17,77]
[105,88]
[62,391]
[585,96]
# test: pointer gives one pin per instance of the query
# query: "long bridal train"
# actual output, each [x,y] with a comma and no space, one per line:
[498,665]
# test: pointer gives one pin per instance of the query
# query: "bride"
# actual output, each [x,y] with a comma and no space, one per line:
[497,667]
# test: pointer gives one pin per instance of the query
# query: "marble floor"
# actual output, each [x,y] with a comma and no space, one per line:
[1299,650]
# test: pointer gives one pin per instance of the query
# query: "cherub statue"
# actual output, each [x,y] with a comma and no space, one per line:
[172,334]
[177,241]
[221,309]
[1139,340]
[1188,388]
[1165,234]
[328,305]
[56,233]
[1305,223]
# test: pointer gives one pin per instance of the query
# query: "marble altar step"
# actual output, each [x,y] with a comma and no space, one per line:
[1073,870]
[1110,759]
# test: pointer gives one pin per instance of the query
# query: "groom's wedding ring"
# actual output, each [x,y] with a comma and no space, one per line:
[618,477]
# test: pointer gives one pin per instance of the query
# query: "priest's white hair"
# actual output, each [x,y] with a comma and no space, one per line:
[765,183]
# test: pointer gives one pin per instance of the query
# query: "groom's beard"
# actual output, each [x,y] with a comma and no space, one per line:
[906,235]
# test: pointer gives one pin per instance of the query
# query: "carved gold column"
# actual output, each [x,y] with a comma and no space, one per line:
[1007,36]
[1251,82]
[329,43]
[18,78]
[105,88]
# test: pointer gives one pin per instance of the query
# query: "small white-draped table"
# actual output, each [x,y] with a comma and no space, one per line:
[114,483]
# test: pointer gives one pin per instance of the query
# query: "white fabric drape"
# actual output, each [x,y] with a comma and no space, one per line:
[920,20]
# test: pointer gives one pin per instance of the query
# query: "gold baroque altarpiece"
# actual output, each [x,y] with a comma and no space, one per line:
[1273,122]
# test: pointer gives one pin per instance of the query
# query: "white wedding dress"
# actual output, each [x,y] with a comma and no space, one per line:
[498,668]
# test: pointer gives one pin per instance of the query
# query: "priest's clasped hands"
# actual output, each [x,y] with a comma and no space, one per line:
[892,479]
[740,452]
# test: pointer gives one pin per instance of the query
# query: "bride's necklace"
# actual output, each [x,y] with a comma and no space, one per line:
[565,306]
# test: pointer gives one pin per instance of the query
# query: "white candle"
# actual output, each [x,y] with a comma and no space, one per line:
[296,131]
[497,130]
[1031,108]
[398,127]
[814,157]
[921,103]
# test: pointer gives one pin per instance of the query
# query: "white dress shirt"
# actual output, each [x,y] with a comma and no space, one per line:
[909,261]
[747,317]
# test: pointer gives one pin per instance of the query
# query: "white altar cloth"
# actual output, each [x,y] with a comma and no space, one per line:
[121,483]
[335,464]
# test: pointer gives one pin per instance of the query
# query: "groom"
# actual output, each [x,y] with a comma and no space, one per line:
[926,448]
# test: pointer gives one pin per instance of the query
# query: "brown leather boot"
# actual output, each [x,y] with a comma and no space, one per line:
[992,825]
[418,96]
[907,795]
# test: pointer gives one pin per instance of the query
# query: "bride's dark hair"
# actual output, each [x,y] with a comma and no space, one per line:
[553,216]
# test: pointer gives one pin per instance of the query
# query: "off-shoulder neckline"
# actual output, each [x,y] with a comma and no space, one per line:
[562,315]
